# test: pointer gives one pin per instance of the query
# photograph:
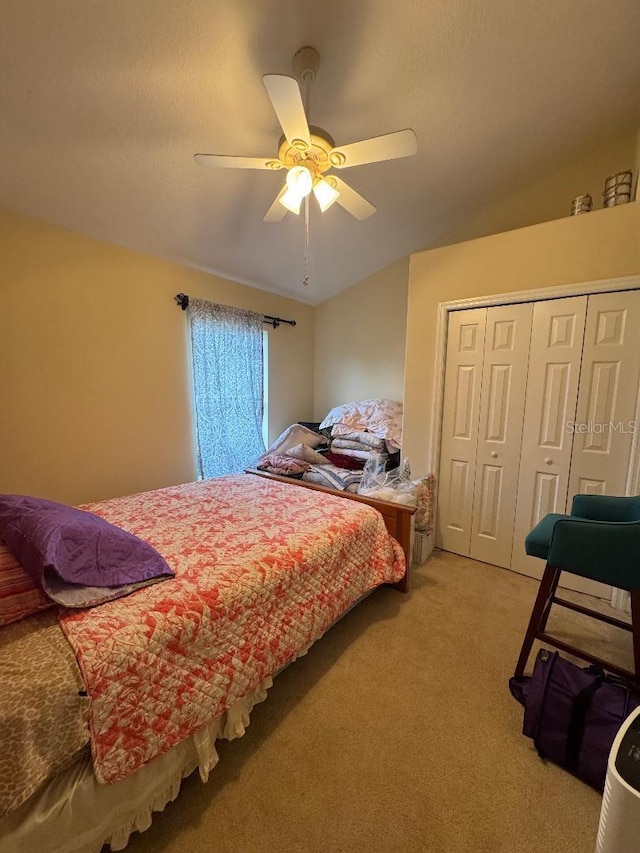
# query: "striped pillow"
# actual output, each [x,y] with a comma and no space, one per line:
[19,595]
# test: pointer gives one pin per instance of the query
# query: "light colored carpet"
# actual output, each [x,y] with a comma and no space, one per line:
[397,732]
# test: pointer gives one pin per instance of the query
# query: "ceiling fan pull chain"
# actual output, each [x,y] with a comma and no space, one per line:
[305,281]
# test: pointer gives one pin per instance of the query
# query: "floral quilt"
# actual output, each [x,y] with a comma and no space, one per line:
[262,569]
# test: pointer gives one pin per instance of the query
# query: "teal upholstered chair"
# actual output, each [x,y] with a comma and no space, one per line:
[600,540]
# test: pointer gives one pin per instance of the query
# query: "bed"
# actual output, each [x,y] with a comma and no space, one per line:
[137,690]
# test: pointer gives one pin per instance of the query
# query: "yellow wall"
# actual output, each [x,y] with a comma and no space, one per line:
[547,194]
[360,335]
[636,168]
[95,372]
[599,245]
[360,340]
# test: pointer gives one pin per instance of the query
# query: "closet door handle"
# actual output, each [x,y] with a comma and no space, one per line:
[494,455]
[548,461]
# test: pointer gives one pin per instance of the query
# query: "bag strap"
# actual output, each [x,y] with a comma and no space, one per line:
[575,731]
[609,677]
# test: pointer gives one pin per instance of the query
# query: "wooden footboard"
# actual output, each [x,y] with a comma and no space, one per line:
[397,517]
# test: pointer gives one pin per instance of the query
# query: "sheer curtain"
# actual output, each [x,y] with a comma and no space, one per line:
[226,347]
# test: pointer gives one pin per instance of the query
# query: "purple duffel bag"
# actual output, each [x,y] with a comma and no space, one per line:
[573,714]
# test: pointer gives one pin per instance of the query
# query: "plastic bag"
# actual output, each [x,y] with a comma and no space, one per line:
[394,485]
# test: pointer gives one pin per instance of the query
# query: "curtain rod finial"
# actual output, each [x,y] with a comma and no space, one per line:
[183,300]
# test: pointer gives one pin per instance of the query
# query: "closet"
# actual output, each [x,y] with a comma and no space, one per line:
[540,403]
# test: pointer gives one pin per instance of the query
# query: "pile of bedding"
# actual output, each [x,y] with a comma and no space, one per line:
[296,453]
[363,428]
[360,432]
[359,446]
[376,418]
[334,477]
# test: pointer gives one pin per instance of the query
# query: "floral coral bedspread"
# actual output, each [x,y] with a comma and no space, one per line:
[262,569]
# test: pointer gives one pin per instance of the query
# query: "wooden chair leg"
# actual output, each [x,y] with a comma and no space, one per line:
[552,591]
[539,614]
[635,630]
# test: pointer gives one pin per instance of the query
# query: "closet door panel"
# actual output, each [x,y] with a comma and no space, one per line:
[504,378]
[607,399]
[552,394]
[463,373]
[607,396]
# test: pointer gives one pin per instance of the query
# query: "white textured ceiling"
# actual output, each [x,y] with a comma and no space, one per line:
[104,102]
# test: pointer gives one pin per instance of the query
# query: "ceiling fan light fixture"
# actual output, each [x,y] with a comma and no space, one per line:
[299,185]
[291,200]
[325,194]
[300,181]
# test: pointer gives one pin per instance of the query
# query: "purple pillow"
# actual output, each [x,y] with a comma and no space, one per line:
[76,557]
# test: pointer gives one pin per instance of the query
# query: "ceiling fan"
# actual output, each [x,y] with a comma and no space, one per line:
[308,152]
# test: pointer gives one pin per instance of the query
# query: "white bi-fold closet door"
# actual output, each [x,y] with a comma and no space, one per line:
[555,358]
[539,404]
[484,397]
[582,397]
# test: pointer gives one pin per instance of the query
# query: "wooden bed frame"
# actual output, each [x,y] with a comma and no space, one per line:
[397,516]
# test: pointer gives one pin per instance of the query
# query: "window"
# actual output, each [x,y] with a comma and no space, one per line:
[228,376]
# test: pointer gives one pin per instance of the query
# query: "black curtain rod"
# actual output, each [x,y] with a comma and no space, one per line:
[183,301]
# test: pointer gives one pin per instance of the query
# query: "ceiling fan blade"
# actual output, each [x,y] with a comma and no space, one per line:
[217,161]
[287,103]
[353,202]
[277,211]
[391,146]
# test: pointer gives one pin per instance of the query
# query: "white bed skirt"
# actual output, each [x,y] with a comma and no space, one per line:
[72,813]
